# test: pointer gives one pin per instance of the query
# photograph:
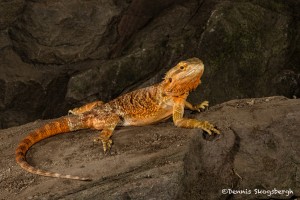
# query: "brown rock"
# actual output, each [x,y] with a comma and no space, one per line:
[58,32]
[29,92]
[258,149]
[9,11]
[249,48]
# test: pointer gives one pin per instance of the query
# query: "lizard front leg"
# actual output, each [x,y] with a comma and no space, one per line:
[197,107]
[110,124]
[85,108]
[179,121]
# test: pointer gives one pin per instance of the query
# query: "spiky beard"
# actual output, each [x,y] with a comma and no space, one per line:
[178,88]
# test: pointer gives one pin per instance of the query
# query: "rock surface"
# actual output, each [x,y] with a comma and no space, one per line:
[258,149]
[92,50]
[56,32]
[9,12]
[26,93]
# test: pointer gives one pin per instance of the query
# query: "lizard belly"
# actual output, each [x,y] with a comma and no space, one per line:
[149,118]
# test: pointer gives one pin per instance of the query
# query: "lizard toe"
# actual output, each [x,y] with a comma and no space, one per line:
[202,106]
[207,131]
[106,145]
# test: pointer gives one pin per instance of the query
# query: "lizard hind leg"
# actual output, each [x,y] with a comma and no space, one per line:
[110,124]
[104,137]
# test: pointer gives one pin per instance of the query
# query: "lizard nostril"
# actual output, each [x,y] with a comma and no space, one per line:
[170,80]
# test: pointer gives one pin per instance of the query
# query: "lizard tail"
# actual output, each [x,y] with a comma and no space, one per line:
[48,130]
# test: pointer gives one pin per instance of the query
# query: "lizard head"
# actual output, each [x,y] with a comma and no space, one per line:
[184,77]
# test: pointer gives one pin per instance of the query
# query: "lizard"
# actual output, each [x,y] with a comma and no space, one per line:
[137,108]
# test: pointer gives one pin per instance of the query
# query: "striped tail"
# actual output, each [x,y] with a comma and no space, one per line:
[48,130]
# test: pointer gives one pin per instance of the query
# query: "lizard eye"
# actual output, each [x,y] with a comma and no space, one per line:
[181,67]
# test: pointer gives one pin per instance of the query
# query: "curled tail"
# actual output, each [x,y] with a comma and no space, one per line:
[53,128]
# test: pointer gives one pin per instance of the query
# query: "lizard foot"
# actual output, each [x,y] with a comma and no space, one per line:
[106,143]
[201,106]
[209,128]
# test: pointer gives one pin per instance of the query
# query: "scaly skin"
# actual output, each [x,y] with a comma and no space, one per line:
[140,107]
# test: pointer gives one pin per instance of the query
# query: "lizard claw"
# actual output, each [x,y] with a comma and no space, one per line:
[209,128]
[201,106]
[106,143]
[207,131]
[215,131]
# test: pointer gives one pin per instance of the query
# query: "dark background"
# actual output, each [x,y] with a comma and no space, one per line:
[55,55]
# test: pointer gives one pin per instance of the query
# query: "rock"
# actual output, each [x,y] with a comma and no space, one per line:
[101,49]
[4,39]
[54,32]
[238,46]
[138,14]
[26,94]
[106,80]
[250,42]
[9,11]
[258,149]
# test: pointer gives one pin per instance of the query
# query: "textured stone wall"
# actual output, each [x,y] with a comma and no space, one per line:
[55,55]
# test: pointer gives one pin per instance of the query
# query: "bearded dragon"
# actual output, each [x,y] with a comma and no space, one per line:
[138,108]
